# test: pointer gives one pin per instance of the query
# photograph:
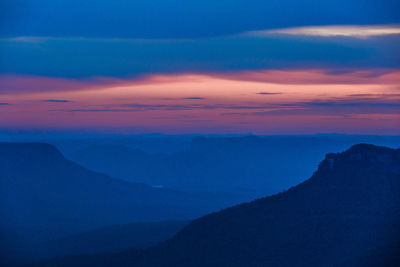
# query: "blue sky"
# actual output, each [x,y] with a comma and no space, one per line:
[183,18]
[201,66]
[128,38]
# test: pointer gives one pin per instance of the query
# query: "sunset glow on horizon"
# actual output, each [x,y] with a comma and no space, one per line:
[264,67]
[261,102]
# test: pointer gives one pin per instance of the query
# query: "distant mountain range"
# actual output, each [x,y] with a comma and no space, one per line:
[346,214]
[247,167]
[44,196]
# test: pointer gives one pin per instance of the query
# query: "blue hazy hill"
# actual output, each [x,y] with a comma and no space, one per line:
[44,196]
[248,166]
[346,214]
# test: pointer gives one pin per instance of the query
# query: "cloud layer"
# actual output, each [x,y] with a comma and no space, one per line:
[334,30]
[287,66]
[267,101]
[83,58]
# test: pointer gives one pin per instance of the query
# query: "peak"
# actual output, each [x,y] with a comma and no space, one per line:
[364,149]
[22,145]
[37,149]
[364,154]
[368,151]
[367,147]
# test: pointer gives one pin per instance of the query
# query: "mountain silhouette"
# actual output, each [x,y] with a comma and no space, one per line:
[44,196]
[346,214]
[248,167]
[113,238]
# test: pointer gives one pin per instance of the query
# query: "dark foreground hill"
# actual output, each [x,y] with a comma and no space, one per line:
[113,238]
[43,196]
[346,214]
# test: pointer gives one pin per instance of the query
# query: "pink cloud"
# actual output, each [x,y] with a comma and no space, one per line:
[14,84]
[272,101]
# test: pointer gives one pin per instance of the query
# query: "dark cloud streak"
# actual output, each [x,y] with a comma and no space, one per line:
[269,93]
[132,60]
[56,101]
[194,98]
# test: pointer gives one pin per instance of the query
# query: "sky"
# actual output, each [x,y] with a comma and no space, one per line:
[225,67]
